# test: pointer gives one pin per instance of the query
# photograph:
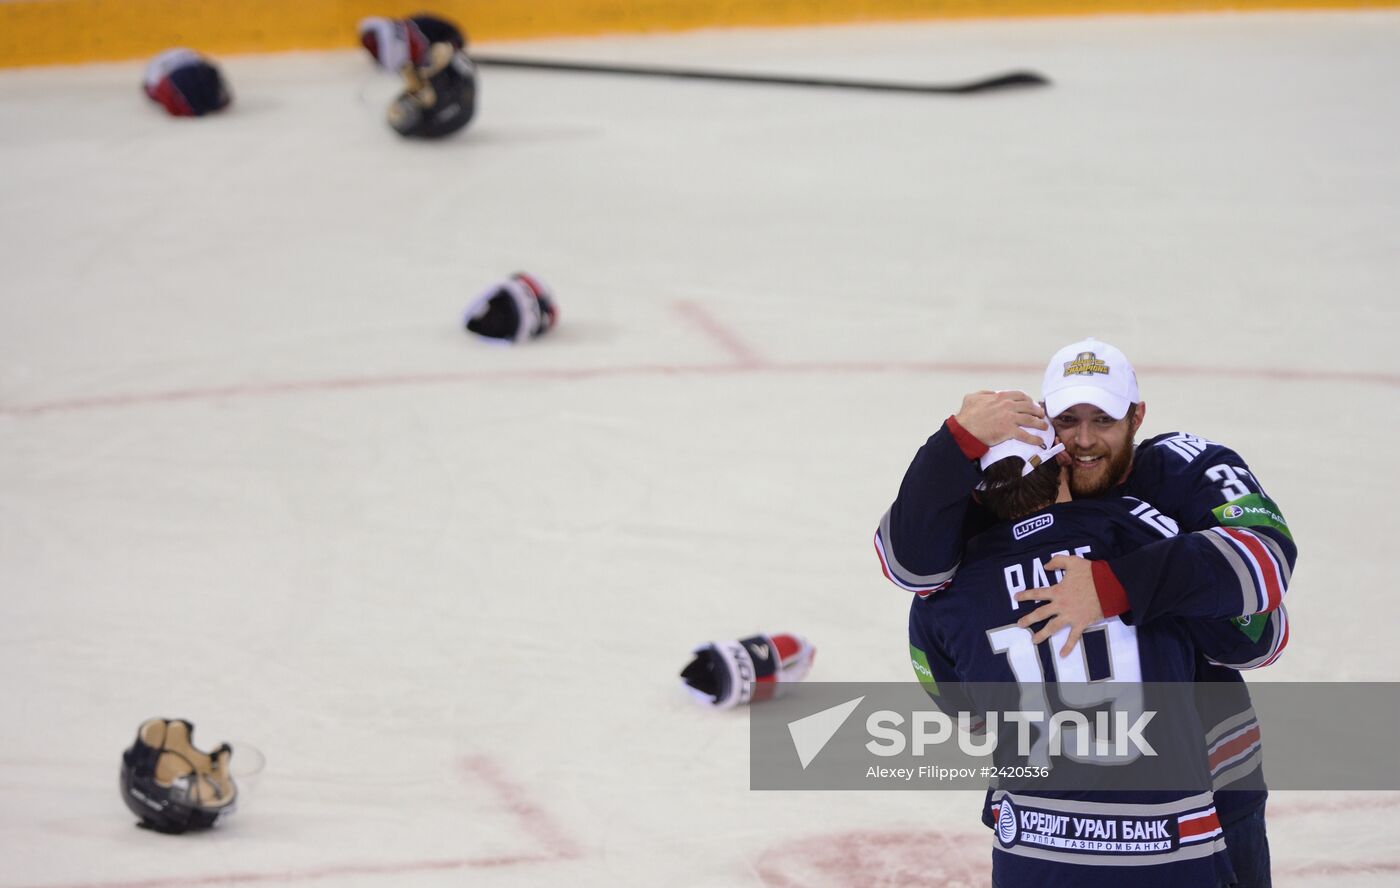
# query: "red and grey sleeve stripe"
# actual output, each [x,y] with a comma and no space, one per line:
[1282,617]
[1233,748]
[922,585]
[1198,826]
[1258,563]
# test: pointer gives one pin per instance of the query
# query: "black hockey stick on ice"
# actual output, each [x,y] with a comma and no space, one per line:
[986,84]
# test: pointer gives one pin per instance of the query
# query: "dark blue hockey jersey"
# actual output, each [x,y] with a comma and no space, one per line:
[1233,559]
[966,636]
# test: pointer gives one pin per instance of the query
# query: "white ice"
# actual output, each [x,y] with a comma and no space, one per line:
[254,474]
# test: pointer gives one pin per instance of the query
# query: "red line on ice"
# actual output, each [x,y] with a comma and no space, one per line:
[1326,869]
[578,374]
[1331,806]
[726,338]
[324,872]
[533,820]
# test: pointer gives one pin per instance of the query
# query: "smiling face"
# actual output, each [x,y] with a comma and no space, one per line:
[1098,448]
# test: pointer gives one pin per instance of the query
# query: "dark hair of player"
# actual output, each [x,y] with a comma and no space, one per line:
[1009,494]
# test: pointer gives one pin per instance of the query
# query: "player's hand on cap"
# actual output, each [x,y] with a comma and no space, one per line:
[1071,603]
[994,417]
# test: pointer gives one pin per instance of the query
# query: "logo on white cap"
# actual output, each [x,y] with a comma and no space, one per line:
[1085,364]
[1090,372]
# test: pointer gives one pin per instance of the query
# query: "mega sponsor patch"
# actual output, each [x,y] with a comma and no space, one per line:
[1254,510]
[921,668]
[1250,626]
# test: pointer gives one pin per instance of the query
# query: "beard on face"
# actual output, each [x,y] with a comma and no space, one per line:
[1117,469]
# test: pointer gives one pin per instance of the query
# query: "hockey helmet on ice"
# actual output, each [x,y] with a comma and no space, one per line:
[172,786]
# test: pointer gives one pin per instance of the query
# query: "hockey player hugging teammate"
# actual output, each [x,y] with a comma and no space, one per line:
[1094,825]
[1232,558]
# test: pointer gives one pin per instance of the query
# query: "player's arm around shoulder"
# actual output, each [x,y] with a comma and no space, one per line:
[920,537]
[1201,575]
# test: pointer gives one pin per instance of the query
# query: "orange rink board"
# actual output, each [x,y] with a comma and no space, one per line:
[41,32]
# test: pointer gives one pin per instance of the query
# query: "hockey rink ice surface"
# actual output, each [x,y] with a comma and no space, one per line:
[254,474]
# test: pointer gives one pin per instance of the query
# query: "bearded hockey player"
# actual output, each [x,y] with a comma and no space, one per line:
[970,637]
[1230,529]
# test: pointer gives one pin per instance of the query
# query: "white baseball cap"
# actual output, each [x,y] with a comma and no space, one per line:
[1089,372]
[1033,455]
